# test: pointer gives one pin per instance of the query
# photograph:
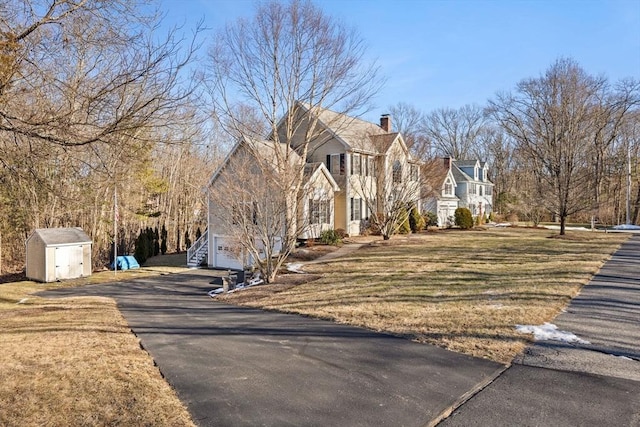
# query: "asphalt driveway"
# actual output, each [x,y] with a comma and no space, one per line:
[240,366]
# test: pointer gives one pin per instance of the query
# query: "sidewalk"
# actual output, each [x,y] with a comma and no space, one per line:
[560,384]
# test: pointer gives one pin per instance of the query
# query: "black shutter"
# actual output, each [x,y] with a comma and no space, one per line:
[351,206]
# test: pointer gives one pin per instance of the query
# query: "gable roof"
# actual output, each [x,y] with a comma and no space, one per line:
[435,173]
[318,168]
[467,163]
[266,151]
[356,134]
[459,174]
[383,142]
[61,236]
[457,165]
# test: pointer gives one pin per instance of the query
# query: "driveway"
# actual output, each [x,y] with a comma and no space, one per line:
[239,366]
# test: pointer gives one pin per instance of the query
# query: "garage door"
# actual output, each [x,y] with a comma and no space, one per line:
[227,254]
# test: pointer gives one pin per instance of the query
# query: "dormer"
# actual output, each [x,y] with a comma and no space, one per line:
[448,187]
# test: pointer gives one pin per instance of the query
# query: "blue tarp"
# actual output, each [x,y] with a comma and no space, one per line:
[126,262]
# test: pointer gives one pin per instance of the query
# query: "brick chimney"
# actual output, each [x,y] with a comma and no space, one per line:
[447,162]
[385,122]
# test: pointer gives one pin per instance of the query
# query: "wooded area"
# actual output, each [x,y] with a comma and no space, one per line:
[93,102]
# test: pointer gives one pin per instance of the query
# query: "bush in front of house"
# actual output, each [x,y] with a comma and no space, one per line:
[403,222]
[463,218]
[330,237]
[430,219]
[416,222]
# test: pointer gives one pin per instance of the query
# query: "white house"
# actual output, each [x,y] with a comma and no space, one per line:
[450,184]
[246,197]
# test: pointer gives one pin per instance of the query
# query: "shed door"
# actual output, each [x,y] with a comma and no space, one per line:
[68,262]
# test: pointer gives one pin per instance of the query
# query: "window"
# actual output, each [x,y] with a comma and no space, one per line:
[414,172]
[319,211]
[448,188]
[356,209]
[488,191]
[335,164]
[397,172]
[356,165]
[371,166]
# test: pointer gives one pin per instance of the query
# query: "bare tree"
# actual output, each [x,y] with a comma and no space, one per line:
[87,90]
[409,121]
[611,114]
[455,133]
[282,66]
[555,121]
[248,202]
[87,71]
[499,152]
[390,186]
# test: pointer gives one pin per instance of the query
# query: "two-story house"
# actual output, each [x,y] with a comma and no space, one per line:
[474,189]
[351,168]
[369,162]
[450,184]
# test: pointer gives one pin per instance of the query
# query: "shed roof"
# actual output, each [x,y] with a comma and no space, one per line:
[61,236]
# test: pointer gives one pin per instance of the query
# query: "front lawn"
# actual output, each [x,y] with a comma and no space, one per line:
[74,361]
[462,290]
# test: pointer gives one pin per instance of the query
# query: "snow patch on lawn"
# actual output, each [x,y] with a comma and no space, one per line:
[295,267]
[626,227]
[23,300]
[625,358]
[550,332]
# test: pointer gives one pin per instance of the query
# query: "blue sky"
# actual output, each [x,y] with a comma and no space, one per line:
[450,53]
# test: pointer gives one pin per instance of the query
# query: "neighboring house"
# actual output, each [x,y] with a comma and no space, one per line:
[439,191]
[473,188]
[450,184]
[350,167]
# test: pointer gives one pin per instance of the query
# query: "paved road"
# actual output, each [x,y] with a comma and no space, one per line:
[236,366]
[595,384]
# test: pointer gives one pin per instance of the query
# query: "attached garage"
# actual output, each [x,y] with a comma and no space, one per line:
[58,254]
[226,253]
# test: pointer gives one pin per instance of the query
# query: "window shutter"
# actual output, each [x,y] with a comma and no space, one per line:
[351,206]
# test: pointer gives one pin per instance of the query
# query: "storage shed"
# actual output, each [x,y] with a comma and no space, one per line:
[58,254]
